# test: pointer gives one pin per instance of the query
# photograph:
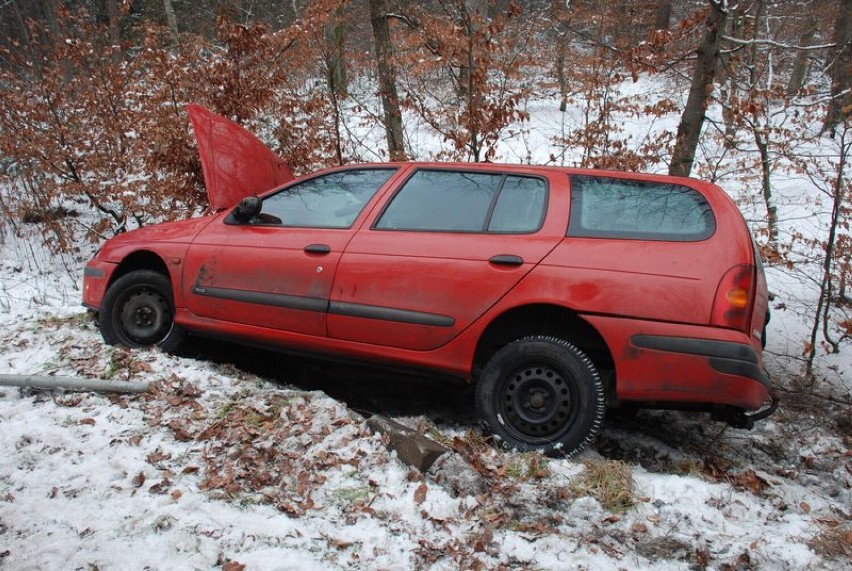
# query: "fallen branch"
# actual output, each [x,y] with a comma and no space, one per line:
[72,384]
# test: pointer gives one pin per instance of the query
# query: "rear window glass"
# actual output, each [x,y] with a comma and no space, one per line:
[520,207]
[603,207]
[446,201]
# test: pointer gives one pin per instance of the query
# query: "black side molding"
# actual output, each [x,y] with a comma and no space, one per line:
[390,314]
[705,347]
[264,298]
[321,305]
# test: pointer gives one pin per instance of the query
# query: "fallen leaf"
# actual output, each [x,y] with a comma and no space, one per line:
[138,480]
[339,543]
[482,540]
[749,480]
[157,456]
[420,494]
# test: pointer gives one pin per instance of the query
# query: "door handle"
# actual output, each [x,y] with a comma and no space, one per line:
[507,260]
[317,249]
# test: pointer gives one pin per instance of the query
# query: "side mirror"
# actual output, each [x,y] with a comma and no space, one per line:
[248,208]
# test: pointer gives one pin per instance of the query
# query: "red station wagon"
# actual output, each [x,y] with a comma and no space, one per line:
[558,291]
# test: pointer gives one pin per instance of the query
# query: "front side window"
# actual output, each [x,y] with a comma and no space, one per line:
[443,201]
[604,207]
[330,201]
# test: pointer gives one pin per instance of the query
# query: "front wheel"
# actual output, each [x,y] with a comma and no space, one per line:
[541,393]
[138,311]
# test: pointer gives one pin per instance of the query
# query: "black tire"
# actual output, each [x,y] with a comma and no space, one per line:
[541,394]
[138,311]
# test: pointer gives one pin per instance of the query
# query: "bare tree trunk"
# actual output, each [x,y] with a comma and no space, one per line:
[692,119]
[823,309]
[560,36]
[387,80]
[840,68]
[114,22]
[800,64]
[335,34]
[663,16]
[728,86]
[766,187]
[171,19]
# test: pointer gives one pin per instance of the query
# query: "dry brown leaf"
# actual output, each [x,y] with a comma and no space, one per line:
[749,480]
[157,456]
[420,494]
[138,480]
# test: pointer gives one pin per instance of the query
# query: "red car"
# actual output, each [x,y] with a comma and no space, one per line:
[558,291]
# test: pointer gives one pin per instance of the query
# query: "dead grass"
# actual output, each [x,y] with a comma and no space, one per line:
[833,542]
[608,481]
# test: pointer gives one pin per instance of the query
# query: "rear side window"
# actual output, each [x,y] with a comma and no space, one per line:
[443,201]
[604,207]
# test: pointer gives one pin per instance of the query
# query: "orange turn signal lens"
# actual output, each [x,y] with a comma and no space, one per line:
[737,297]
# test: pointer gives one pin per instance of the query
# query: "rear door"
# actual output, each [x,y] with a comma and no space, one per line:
[276,271]
[445,248]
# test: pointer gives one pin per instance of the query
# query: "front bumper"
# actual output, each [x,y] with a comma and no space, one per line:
[96,277]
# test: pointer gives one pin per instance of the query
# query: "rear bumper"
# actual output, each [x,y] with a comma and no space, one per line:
[678,365]
[683,370]
[724,357]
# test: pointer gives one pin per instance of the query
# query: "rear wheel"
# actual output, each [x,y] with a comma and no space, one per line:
[541,393]
[138,311]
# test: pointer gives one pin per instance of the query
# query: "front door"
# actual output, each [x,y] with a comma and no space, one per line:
[276,270]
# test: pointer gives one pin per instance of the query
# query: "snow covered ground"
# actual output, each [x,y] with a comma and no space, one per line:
[219,466]
[262,462]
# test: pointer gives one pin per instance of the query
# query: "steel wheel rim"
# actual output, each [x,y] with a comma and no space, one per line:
[145,316]
[536,403]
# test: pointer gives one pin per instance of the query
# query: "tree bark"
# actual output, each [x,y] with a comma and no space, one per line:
[692,119]
[766,187]
[840,68]
[800,64]
[114,16]
[335,34]
[663,16]
[728,82]
[387,80]
[560,37]
[171,19]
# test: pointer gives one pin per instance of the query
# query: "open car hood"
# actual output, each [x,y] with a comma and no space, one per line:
[235,163]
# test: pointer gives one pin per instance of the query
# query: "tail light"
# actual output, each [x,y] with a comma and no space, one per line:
[732,305]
